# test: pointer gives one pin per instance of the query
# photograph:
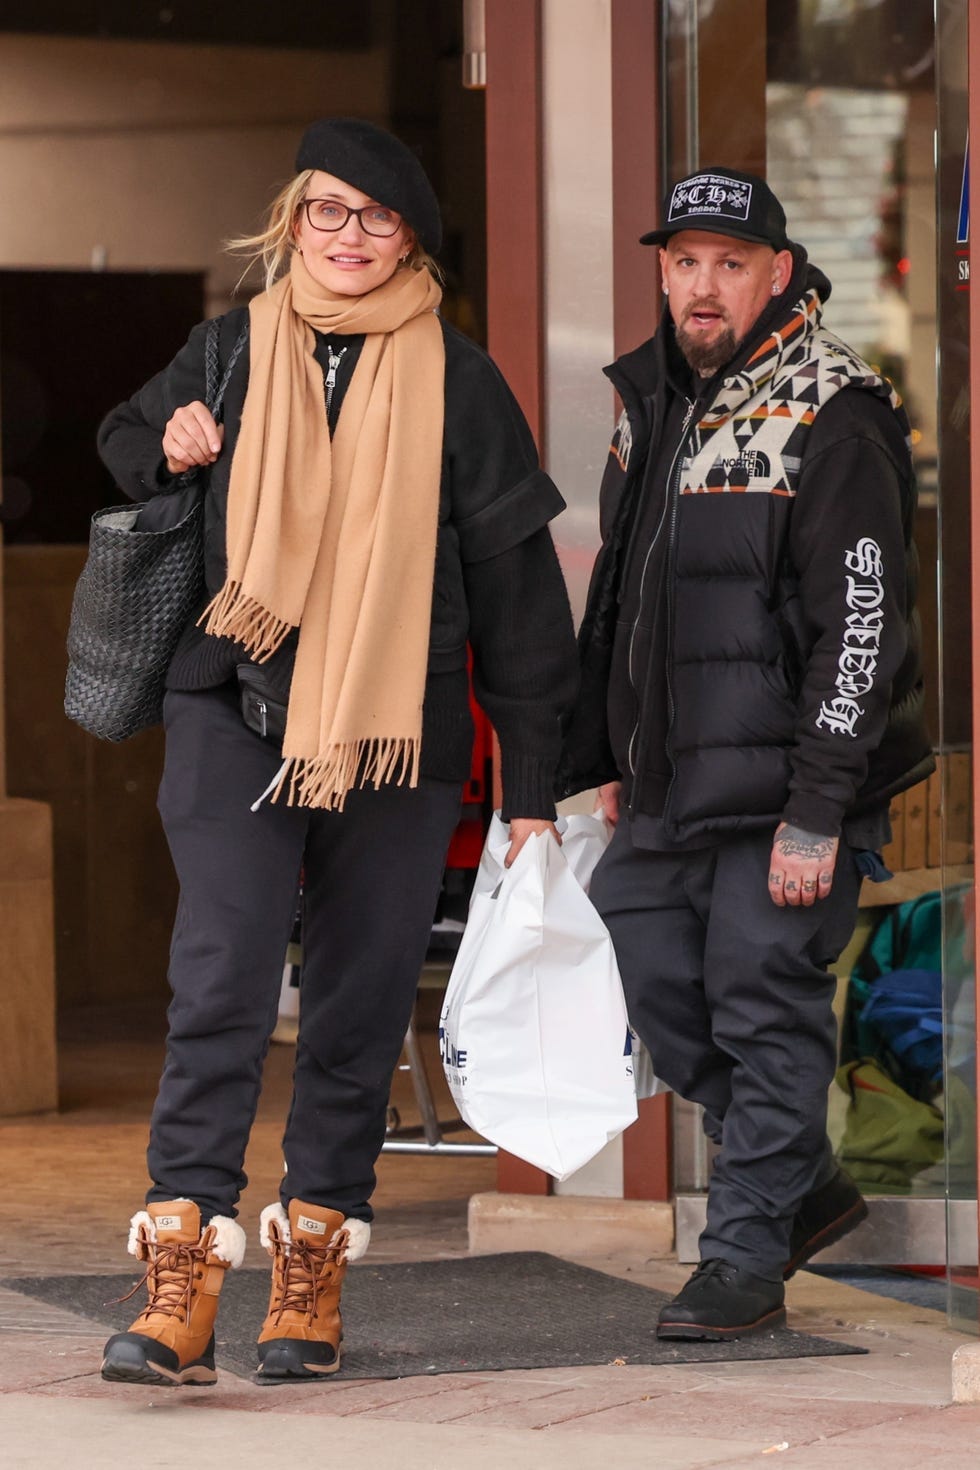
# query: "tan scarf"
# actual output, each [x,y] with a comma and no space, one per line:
[338,539]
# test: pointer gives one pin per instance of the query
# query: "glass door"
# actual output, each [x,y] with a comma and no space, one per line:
[956,791]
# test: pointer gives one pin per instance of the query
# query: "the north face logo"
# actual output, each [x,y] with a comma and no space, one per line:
[751,464]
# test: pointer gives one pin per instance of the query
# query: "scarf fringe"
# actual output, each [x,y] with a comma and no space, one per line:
[325,780]
[232,614]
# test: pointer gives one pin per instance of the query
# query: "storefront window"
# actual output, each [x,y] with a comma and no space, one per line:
[959,928]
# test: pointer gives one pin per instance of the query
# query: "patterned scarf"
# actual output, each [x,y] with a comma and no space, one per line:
[752,436]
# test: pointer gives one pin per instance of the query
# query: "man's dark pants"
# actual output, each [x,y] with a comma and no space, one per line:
[732,997]
[371,879]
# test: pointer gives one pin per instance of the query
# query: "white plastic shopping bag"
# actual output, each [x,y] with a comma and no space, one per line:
[585,838]
[534,1030]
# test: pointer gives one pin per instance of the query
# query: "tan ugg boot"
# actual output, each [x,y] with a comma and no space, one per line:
[171,1342]
[310,1249]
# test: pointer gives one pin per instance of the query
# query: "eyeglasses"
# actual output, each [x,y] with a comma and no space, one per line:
[330,214]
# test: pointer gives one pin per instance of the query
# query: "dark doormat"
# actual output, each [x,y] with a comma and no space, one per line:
[478,1314]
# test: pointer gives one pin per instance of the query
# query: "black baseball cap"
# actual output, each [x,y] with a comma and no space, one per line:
[725,202]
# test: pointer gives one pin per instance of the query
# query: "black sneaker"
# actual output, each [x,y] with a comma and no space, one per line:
[825,1216]
[722,1301]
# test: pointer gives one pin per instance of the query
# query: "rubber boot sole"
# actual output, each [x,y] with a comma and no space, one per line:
[699,1331]
[129,1362]
[291,1360]
[829,1235]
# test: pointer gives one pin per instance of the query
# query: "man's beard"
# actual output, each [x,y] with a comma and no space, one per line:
[705,357]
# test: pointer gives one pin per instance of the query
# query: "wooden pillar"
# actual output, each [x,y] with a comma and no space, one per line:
[515,271]
[637,188]
[515,243]
[636,181]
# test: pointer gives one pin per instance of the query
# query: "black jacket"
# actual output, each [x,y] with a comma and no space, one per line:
[497,584]
[753,615]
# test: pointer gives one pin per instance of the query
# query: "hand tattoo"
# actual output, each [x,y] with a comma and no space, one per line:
[790,886]
[811,846]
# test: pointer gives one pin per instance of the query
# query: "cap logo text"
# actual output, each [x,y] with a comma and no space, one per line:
[710,194]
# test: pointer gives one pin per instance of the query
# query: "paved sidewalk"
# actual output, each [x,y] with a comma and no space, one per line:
[72,1180]
[812,1413]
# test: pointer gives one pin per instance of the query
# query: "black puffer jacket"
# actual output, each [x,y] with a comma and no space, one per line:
[497,586]
[757,604]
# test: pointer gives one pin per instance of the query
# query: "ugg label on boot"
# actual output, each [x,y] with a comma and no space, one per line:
[169,1222]
[312,1227]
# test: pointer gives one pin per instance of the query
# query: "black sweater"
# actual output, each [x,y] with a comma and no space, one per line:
[497,585]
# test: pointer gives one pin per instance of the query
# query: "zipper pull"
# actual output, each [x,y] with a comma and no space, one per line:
[333,363]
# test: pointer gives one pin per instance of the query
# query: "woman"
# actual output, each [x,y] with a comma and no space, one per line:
[374,504]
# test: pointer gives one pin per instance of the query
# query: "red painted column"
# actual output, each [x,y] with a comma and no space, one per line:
[637,187]
[515,243]
[515,271]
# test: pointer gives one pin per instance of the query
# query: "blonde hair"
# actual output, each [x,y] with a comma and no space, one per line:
[273,245]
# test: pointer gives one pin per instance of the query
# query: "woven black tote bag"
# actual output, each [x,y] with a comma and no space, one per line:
[142,579]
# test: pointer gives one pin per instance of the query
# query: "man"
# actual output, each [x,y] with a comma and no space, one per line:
[751,699]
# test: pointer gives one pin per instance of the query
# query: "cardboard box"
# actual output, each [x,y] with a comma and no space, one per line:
[916,808]
[894,853]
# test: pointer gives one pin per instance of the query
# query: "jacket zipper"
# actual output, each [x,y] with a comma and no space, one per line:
[330,378]
[669,601]
[670,499]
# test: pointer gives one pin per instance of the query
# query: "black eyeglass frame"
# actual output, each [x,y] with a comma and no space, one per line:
[358,213]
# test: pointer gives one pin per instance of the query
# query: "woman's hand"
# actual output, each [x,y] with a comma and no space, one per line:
[607,801]
[192,438]
[521,829]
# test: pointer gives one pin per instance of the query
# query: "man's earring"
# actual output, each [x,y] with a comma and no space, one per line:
[665,290]
[775,289]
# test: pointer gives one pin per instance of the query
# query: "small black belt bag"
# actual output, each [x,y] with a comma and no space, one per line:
[263,707]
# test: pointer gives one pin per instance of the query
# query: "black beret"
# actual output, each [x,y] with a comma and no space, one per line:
[380,165]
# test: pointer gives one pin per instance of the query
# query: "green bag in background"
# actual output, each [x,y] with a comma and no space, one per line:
[888,1136]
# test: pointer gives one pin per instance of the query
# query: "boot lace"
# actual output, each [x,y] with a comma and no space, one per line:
[170,1276]
[308,1270]
[714,1267]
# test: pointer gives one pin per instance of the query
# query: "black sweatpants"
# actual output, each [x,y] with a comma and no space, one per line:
[371,879]
[733,999]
